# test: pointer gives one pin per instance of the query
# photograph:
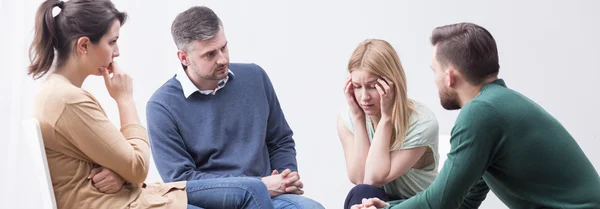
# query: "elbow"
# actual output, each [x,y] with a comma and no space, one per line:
[139,175]
[375,180]
[355,179]
[139,172]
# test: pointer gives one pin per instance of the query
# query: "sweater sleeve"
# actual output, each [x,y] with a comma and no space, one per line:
[280,144]
[126,152]
[473,141]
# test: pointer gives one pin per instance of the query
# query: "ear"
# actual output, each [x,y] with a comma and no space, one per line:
[82,45]
[450,76]
[183,58]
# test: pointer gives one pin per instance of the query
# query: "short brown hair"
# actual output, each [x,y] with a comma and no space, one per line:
[468,47]
[197,23]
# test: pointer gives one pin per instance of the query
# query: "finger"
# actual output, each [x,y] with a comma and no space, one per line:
[389,82]
[298,192]
[364,202]
[102,184]
[112,189]
[114,67]
[100,176]
[348,88]
[106,181]
[291,189]
[384,84]
[299,184]
[378,203]
[94,171]
[294,190]
[286,172]
[104,189]
[293,173]
[290,180]
[381,92]
[357,206]
[367,202]
[275,172]
[106,76]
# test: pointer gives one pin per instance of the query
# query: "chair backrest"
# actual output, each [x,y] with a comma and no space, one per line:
[35,144]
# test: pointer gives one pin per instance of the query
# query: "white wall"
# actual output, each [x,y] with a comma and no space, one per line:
[547,51]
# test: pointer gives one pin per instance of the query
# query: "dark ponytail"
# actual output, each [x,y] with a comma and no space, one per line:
[41,52]
[76,19]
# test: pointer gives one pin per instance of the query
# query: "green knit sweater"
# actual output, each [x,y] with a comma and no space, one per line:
[504,142]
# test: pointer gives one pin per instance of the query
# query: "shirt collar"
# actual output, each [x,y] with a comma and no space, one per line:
[189,88]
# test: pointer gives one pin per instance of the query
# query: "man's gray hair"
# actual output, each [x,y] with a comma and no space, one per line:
[198,23]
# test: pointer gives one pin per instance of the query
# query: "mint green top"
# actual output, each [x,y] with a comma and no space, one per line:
[422,131]
[505,142]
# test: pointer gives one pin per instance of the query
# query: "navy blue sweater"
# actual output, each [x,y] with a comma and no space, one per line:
[239,131]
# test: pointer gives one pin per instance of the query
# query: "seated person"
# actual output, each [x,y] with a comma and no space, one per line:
[216,120]
[501,141]
[390,142]
[78,136]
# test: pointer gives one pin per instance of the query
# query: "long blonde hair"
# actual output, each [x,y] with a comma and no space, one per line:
[379,57]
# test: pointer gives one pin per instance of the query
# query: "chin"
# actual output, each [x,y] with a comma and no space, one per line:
[371,112]
[448,103]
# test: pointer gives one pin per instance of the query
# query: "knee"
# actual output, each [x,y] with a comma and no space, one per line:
[312,204]
[308,203]
[361,189]
[292,201]
[252,184]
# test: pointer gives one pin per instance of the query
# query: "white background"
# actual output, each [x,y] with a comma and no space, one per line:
[548,51]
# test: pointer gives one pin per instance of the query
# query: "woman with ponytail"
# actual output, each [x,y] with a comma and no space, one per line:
[390,142]
[92,163]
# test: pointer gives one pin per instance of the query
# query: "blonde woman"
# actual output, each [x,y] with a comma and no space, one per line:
[390,141]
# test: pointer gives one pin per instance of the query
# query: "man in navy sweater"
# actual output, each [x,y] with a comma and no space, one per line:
[216,120]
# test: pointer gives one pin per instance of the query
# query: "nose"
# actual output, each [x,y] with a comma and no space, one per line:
[222,59]
[116,53]
[364,96]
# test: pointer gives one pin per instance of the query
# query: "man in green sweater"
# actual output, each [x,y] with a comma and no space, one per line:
[501,141]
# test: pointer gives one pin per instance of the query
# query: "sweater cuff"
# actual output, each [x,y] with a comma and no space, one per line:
[134,131]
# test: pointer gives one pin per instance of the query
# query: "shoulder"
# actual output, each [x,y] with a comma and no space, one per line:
[251,75]
[478,112]
[169,91]
[423,127]
[422,118]
[345,117]
[63,94]
[246,69]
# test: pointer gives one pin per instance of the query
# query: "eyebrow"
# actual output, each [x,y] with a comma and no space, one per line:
[368,82]
[206,53]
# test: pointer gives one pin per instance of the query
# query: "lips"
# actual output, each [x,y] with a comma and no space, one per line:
[222,69]
[366,105]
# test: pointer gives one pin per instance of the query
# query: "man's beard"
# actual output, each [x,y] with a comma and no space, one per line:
[213,75]
[449,100]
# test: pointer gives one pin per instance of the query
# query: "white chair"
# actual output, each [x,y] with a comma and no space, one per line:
[35,144]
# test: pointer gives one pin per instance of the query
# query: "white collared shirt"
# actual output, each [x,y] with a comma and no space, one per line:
[189,88]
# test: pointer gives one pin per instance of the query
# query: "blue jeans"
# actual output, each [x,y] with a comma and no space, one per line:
[247,193]
[241,192]
[292,201]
